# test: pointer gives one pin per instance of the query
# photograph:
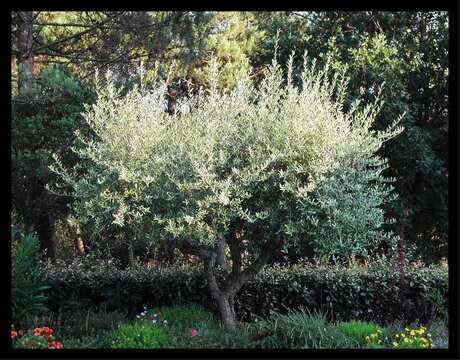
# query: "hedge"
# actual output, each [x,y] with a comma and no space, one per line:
[366,293]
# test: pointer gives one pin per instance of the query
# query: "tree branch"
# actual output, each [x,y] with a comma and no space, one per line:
[267,251]
[235,281]
[77,35]
[220,252]
[209,264]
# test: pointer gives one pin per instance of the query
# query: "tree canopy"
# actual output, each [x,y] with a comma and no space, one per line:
[257,169]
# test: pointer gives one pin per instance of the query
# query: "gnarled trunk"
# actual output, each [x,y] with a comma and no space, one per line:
[225,294]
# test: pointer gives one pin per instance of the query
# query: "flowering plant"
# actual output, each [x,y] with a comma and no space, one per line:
[152,316]
[39,338]
[408,338]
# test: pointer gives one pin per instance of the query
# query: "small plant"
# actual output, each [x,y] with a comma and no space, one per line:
[409,338]
[27,288]
[39,338]
[137,335]
[437,306]
[152,316]
[359,330]
[299,330]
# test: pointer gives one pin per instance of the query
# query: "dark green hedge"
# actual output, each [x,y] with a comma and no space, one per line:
[345,293]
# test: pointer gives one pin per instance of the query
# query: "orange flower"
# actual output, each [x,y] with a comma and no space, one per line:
[13,334]
[37,331]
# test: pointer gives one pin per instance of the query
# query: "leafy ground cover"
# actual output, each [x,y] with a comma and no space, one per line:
[192,326]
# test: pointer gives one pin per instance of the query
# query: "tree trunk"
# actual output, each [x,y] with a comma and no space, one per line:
[25,57]
[79,241]
[225,294]
[131,255]
[227,310]
[46,234]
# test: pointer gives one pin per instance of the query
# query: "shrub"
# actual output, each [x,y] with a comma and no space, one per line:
[299,330]
[136,335]
[358,330]
[369,294]
[27,287]
[43,121]
[440,333]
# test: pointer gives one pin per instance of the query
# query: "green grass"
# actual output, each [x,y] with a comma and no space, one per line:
[358,330]
[186,316]
[137,335]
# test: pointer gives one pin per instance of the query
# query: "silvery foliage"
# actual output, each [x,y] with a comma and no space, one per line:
[276,158]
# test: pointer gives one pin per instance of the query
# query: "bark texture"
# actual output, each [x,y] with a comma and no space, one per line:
[25,57]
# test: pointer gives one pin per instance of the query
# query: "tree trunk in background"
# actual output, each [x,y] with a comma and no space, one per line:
[25,57]
[46,234]
[79,241]
[131,255]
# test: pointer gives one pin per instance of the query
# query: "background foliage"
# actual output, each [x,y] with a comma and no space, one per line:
[407,50]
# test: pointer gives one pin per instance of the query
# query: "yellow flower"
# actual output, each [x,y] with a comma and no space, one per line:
[412,332]
[421,331]
[406,340]
[397,335]
[402,334]
[379,331]
[367,338]
[406,329]
[395,344]
[429,335]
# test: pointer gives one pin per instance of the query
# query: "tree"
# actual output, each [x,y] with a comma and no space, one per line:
[254,170]
[89,40]
[232,40]
[43,120]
